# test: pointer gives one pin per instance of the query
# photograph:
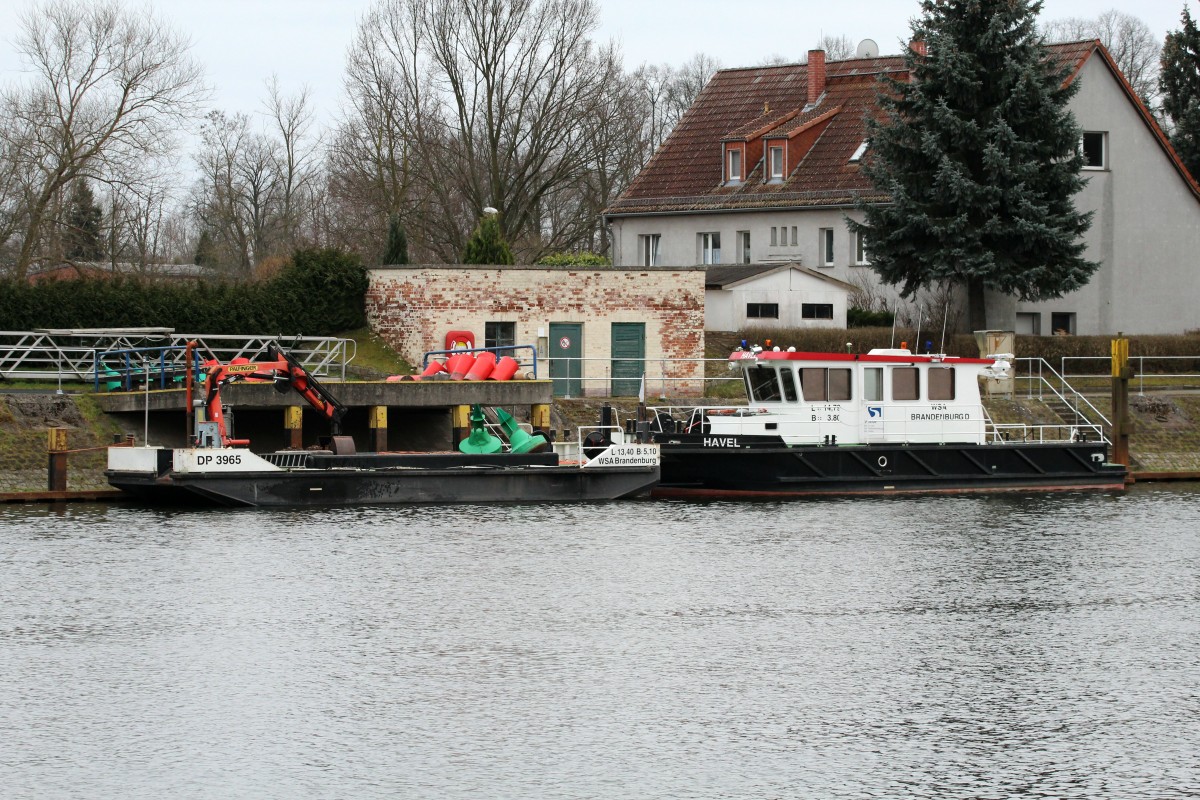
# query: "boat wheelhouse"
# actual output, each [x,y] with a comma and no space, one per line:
[883,396]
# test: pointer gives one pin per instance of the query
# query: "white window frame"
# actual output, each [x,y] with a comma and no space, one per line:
[825,242]
[710,247]
[648,247]
[860,152]
[776,166]
[734,154]
[861,257]
[1103,135]
[743,241]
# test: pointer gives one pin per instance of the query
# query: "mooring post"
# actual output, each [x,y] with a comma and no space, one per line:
[293,421]
[460,425]
[56,447]
[378,424]
[1122,423]
[539,419]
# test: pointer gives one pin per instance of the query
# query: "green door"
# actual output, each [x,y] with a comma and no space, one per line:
[566,350]
[628,358]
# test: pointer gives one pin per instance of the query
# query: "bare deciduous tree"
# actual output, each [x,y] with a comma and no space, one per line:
[492,102]
[107,87]
[837,48]
[1129,40]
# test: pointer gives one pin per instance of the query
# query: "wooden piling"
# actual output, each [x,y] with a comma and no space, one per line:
[56,448]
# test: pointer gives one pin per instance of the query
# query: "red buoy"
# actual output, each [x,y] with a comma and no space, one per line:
[461,366]
[484,363]
[433,368]
[506,367]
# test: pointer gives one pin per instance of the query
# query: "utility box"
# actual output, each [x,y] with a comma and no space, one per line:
[995,343]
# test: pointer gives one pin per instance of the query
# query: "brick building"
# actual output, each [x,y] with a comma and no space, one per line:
[596,331]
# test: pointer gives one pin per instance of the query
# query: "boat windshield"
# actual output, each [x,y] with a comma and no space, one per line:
[762,383]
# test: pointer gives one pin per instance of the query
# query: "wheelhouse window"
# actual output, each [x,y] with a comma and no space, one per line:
[861,258]
[1095,150]
[825,240]
[941,383]
[735,166]
[648,249]
[500,334]
[763,383]
[775,157]
[873,384]
[788,377]
[816,310]
[762,310]
[906,383]
[710,248]
[822,384]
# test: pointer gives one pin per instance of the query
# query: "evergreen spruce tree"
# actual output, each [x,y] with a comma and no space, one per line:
[83,241]
[980,158]
[1179,81]
[487,245]
[396,251]
[206,250]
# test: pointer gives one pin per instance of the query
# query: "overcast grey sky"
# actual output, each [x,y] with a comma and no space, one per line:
[242,42]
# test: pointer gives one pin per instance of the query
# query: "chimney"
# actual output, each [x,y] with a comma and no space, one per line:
[918,47]
[816,75]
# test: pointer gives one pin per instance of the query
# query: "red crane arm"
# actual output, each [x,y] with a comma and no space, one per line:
[284,371]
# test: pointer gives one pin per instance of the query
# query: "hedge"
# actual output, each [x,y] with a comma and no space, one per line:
[1050,348]
[319,293]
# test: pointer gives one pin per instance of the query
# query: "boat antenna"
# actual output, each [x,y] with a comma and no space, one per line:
[895,308]
[920,319]
[945,316]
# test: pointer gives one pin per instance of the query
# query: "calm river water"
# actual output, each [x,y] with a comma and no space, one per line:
[939,647]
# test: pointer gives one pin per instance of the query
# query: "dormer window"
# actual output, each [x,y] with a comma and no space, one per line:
[734,175]
[860,152]
[775,159]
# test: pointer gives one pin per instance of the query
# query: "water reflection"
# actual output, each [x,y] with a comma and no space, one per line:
[943,647]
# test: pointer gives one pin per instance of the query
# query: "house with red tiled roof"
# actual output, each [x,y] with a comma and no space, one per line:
[765,167]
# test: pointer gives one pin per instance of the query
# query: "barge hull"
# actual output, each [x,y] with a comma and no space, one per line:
[764,467]
[353,487]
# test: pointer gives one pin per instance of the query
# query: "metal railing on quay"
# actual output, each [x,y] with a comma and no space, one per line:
[663,377]
[73,355]
[503,350]
[1140,371]
[1040,376]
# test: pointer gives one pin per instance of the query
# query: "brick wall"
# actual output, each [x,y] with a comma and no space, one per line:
[413,308]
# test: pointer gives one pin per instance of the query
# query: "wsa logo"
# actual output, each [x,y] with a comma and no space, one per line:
[875,411]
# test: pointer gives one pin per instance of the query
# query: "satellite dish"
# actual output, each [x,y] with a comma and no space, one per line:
[867,49]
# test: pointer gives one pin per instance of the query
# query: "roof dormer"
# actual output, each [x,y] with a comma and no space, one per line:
[735,162]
